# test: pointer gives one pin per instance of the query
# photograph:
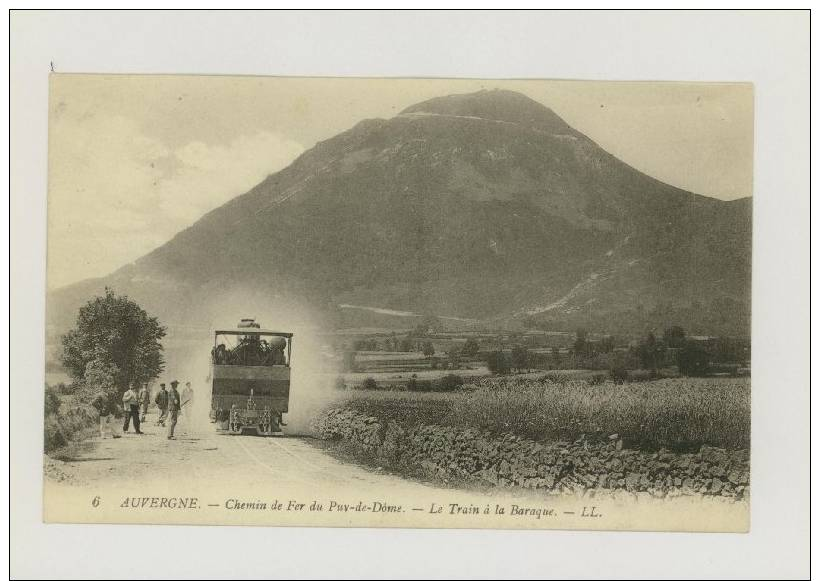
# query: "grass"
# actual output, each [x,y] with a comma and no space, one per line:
[682,413]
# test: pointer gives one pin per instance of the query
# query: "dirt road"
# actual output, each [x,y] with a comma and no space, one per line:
[204,477]
[204,455]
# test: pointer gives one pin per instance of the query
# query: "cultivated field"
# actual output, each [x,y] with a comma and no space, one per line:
[681,414]
[399,379]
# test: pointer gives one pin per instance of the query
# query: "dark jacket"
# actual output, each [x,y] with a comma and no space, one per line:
[105,405]
[173,400]
[162,399]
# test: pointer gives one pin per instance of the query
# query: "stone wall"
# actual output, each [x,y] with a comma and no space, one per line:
[510,461]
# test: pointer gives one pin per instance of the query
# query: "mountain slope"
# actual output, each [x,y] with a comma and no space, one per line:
[482,206]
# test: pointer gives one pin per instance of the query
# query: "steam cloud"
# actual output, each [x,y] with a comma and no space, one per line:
[313,369]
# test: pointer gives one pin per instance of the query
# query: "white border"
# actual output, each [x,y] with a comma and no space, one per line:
[769,49]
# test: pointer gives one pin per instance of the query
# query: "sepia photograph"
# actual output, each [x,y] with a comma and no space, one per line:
[399,302]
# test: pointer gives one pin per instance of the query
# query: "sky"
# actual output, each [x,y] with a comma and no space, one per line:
[135,159]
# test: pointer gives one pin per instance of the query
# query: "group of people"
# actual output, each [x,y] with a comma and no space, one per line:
[251,350]
[170,404]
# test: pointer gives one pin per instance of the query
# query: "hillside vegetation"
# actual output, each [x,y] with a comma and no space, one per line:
[481,206]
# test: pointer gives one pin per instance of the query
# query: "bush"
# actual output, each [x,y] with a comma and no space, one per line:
[413,384]
[428,350]
[618,373]
[340,383]
[450,382]
[53,436]
[470,348]
[66,422]
[419,385]
[370,383]
[52,400]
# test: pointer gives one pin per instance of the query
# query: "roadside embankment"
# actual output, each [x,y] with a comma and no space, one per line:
[66,420]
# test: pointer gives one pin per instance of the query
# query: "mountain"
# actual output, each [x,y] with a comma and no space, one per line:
[484,206]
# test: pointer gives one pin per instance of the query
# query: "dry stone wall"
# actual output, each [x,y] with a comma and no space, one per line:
[510,461]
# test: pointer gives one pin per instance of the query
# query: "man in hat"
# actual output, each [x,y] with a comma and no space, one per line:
[162,404]
[130,404]
[174,403]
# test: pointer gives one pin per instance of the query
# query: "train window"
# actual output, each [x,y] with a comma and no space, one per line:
[251,350]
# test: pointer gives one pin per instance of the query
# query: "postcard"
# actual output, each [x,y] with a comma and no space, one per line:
[399,303]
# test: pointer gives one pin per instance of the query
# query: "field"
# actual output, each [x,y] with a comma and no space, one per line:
[679,414]
[399,379]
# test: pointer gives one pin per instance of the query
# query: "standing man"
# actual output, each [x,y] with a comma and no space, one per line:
[145,399]
[103,404]
[130,404]
[162,404]
[174,403]
[188,406]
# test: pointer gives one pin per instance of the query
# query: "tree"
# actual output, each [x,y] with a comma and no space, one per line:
[497,362]
[581,345]
[431,324]
[726,350]
[454,355]
[674,337]
[413,383]
[618,368]
[428,350]
[470,348]
[649,352]
[693,359]
[419,331]
[520,358]
[407,344]
[115,344]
